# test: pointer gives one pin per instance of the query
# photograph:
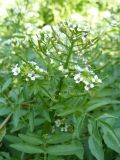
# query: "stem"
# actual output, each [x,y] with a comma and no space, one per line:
[65,66]
[45,156]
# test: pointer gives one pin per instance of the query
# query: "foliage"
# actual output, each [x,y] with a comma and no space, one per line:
[60,81]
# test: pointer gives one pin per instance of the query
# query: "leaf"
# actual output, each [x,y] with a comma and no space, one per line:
[46,115]
[101,102]
[2,100]
[6,84]
[59,138]
[66,149]
[67,111]
[95,140]
[27,148]
[16,116]
[13,139]
[78,127]
[96,148]
[31,120]
[4,110]
[105,115]
[31,139]
[110,137]
[111,142]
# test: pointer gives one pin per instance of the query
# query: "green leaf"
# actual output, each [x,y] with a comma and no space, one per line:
[6,84]
[66,149]
[27,148]
[4,110]
[31,120]
[100,103]
[16,116]
[110,137]
[67,111]
[2,100]
[13,139]
[59,138]
[96,148]
[31,139]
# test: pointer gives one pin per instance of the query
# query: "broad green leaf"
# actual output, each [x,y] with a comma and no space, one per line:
[2,100]
[101,103]
[66,149]
[105,115]
[68,111]
[59,138]
[13,139]
[27,148]
[110,137]
[16,116]
[96,148]
[111,142]
[31,120]
[4,110]
[6,84]
[46,115]
[31,139]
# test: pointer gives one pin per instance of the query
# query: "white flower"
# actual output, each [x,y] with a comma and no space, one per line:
[86,88]
[39,69]
[99,81]
[60,47]
[62,36]
[62,129]
[91,85]
[16,70]
[86,82]
[78,78]
[47,28]
[47,52]
[58,123]
[84,36]
[66,127]
[78,68]
[61,68]
[32,62]
[79,27]
[59,53]
[32,75]
[27,79]
[96,79]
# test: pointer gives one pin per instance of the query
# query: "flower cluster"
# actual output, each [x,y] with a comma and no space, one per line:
[61,125]
[86,76]
[60,45]
[30,71]
[16,70]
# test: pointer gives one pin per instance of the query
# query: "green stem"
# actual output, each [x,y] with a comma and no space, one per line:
[65,66]
[45,156]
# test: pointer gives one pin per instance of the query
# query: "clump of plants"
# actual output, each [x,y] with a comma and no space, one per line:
[59,93]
